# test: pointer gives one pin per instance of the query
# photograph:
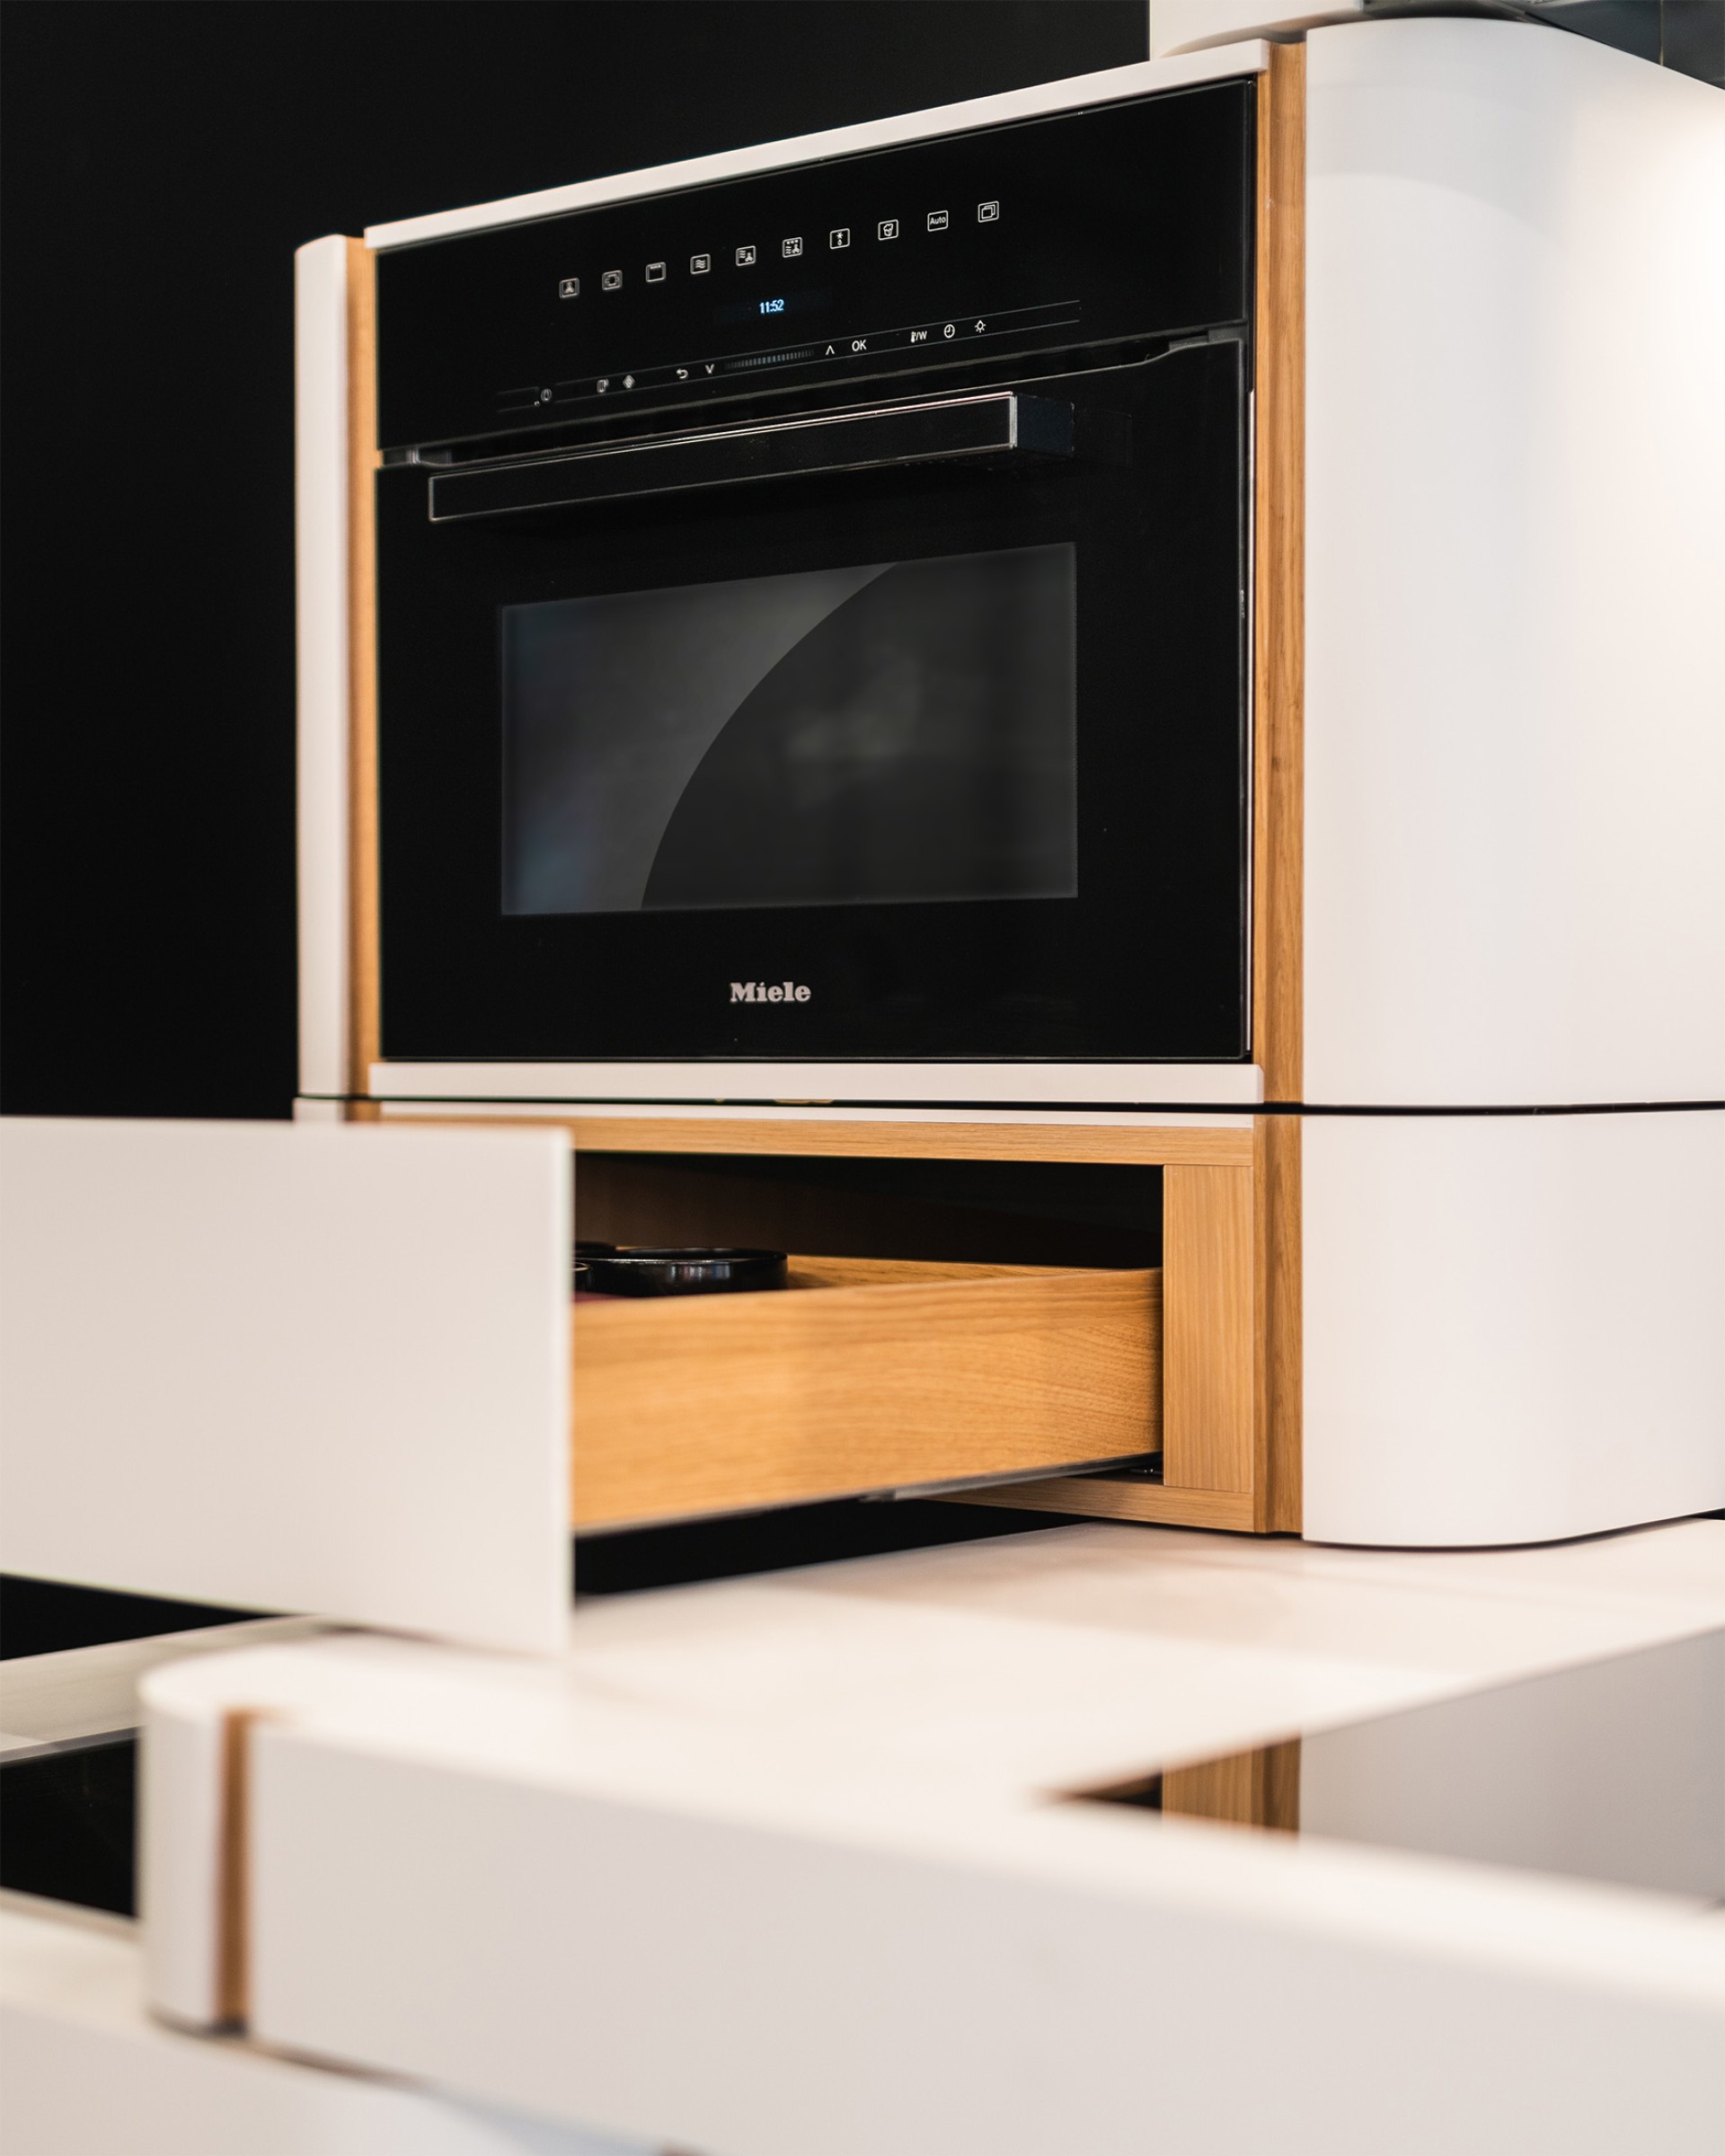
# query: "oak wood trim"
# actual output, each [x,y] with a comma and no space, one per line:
[1210,1391]
[1261,1788]
[826,1272]
[1278,1380]
[1120,1497]
[233,1872]
[1279,657]
[364,1044]
[884,1373]
[790,1137]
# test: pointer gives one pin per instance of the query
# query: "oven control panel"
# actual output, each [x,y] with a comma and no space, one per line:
[1117,222]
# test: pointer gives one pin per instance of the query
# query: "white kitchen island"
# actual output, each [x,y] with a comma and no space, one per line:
[787,1864]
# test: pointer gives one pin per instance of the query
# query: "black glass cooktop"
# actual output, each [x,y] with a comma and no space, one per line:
[1613,1770]
[71,1823]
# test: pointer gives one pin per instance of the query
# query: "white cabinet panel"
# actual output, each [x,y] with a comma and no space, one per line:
[1514,688]
[288,1368]
[1515,1325]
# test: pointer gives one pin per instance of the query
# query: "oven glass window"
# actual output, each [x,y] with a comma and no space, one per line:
[901,732]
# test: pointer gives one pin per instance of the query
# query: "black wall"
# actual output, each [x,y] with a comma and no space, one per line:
[162,163]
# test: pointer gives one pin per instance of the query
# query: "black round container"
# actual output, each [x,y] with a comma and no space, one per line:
[687,1272]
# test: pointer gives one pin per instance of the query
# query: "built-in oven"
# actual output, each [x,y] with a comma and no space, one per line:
[813,610]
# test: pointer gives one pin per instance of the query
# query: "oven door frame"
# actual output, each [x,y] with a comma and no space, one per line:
[1148,965]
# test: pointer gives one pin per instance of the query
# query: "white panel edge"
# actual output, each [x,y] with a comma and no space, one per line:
[1188,26]
[321,584]
[824,1084]
[179,1861]
[1106,87]
[50,1699]
[694,1112]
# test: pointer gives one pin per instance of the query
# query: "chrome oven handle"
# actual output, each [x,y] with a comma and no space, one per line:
[1000,424]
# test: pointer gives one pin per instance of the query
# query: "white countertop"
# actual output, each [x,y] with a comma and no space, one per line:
[869,1740]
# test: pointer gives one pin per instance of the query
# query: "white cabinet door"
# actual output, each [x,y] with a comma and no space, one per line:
[291,1368]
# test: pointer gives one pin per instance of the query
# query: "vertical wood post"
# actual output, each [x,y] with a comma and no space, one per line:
[1209,1411]
[1278,781]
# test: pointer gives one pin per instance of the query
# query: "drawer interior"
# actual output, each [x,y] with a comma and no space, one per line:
[978,1212]
[1211,1431]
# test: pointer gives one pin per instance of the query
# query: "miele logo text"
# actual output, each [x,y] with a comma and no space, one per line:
[758,992]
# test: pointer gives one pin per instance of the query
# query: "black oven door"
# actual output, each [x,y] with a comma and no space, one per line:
[922,733]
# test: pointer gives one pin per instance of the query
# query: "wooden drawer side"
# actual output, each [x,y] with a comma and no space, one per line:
[877,1375]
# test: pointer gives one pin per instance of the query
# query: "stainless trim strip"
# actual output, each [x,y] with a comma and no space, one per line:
[993,423]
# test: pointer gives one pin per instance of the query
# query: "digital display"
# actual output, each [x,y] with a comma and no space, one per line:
[895,733]
[773,304]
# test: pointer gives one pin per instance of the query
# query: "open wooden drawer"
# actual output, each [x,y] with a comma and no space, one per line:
[862,1374]
[890,1375]
[328,1369]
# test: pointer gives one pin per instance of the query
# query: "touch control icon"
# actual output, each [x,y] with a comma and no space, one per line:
[744,257]
[937,220]
[699,264]
[569,287]
[655,273]
[839,236]
[886,229]
[987,213]
[788,248]
[612,281]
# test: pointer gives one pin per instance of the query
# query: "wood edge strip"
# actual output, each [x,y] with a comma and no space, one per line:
[1278,1374]
[233,1871]
[1279,661]
[1278,657]
[364,964]
[1218,1147]
[899,1277]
